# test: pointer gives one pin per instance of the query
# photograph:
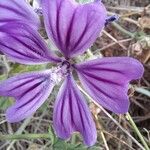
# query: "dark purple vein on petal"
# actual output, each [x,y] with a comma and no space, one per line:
[69,32]
[12,9]
[36,41]
[15,51]
[30,100]
[99,89]
[101,79]
[30,48]
[51,28]
[71,109]
[64,98]
[22,84]
[101,69]
[80,38]
[58,25]
[22,8]
[31,88]
[37,95]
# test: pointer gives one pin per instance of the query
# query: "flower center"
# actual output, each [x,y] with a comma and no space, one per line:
[66,64]
[58,73]
[65,67]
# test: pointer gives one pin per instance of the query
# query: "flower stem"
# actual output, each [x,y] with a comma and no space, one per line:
[73,139]
[132,35]
[24,136]
[129,118]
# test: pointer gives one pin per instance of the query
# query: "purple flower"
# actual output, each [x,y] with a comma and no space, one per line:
[73,28]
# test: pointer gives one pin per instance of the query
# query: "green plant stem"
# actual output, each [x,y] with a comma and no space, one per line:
[73,139]
[129,118]
[132,35]
[24,136]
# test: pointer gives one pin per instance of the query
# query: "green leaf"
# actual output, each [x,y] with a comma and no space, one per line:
[60,144]
[5,103]
[95,148]
[17,68]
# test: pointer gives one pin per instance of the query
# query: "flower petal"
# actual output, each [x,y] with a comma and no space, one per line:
[71,113]
[73,27]
[107,80]
[18,10]
[30,91]
[23,44]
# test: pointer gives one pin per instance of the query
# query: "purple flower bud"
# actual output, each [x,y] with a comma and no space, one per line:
[111,19]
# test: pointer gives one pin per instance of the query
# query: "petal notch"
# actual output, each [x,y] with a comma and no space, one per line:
[73,27]
[107,80]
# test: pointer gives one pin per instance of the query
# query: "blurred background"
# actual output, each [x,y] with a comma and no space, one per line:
[128,36]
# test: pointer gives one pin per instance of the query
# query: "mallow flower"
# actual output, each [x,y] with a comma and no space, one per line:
[73,28]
